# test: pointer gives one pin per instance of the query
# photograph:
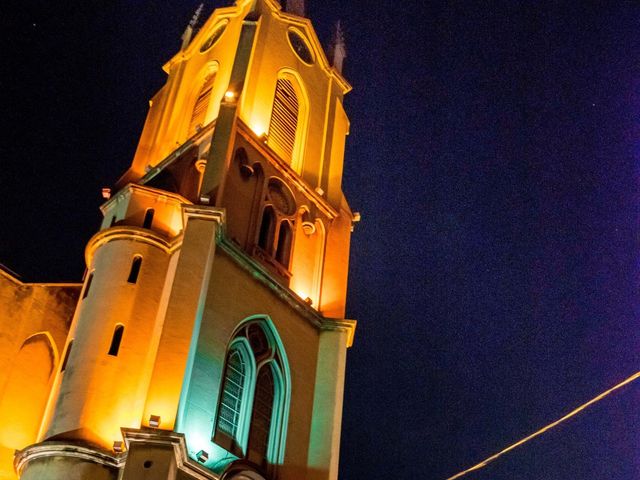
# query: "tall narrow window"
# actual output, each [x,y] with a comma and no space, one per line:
[66,357]
[148,218]
[253,401]
[116,340]
[86,289]
[261,417]
[267,230]
[231,400]
[135,269]
[284,244]
[198,116]
[284,119]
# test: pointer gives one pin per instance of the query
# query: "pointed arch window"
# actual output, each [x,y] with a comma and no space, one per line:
[284,119]
[275,236]
[199,113]
[283,252]
[267,229]
[252,407]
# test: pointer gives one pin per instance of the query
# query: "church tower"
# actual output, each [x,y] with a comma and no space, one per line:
[209,339]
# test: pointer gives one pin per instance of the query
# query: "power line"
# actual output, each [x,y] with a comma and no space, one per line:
[572,413]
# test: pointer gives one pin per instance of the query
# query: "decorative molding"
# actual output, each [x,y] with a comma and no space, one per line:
[173,439]
[203,212]
[335,324]
[134,234]
[63,449]
[286,171]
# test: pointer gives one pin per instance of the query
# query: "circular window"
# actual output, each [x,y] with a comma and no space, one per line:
[300,46]
[280,197]
[218,30]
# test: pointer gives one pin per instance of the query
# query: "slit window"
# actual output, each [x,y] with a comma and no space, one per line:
[86,289]
[116,340]
[66,356]
[135,269]
[148,218]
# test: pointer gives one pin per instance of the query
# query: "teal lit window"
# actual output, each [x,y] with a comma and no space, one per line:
[253,403]
[232,394]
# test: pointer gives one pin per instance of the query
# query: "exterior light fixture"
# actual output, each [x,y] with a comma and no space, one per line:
[106,193]
[118,446]
[154,421]
[229,95]
[202,456]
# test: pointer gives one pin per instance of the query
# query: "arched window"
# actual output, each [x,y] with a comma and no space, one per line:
[252,408]
[283,252]
[135,269]
[233,392]
[267,230]
[275,237]
[261,416]
[199,113]
[116,340]
[284,119]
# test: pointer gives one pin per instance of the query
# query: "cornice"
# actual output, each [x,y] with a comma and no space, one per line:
[175,440]
[63,449]
[134,234]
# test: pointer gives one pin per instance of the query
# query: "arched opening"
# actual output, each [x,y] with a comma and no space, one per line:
[288,121]
[26,392]
[261,416]
[253,402]
[199,112]
[284,119]
[148,218]
[233,400]
[135,269]
[267,229]
[283,251]
[116,339]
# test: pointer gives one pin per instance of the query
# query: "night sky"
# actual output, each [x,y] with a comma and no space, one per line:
[493,157]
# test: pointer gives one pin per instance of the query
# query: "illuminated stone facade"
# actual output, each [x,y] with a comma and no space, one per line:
[207,340]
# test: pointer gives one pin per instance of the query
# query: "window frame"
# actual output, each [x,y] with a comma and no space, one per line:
[276,360]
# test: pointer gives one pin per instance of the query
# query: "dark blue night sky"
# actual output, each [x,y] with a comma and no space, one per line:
[494,158]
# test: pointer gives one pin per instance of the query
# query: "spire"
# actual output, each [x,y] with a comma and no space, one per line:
[188,32]
[296,7]
[338,50]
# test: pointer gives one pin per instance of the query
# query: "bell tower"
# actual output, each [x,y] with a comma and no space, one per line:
[209,339]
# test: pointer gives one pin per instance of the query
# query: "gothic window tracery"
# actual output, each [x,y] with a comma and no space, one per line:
[275,235]
[252,404]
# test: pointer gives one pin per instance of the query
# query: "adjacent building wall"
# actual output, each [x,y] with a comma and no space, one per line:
[34,322]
